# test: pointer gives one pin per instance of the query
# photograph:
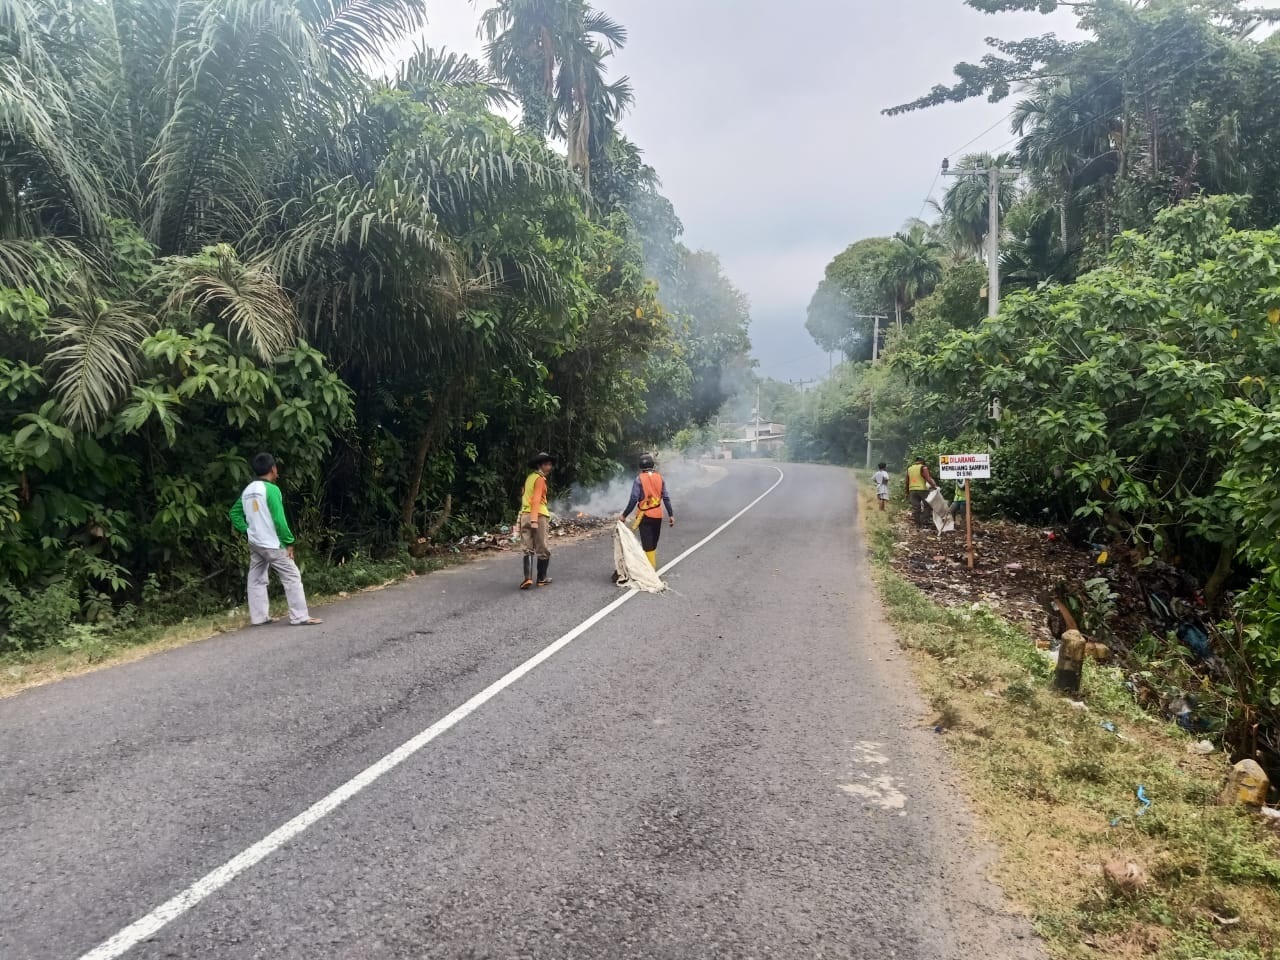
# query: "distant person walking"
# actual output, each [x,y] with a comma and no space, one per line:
[648,497]
[919,483]
[881,479]
[534,519]
[259,514]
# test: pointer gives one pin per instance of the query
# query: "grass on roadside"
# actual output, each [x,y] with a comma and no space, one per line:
[164,625]
[1058,792]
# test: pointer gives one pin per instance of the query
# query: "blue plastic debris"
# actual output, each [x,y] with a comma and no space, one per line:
[1143,799]
[1196,638]
[1108,726]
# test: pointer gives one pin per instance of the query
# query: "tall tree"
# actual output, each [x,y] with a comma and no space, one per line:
[553,54]
[914,267]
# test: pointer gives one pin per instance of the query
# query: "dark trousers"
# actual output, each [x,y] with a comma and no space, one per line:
[919,508]
[650,531]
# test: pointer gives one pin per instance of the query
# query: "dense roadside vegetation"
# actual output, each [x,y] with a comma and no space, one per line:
[1099,874]
[1129,387]
[226,226]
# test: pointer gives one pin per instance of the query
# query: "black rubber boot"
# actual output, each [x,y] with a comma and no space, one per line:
[527,582]
[543,579]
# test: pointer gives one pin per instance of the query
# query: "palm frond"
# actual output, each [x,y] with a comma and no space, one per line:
[360,32]
[36,121]
[600,25]
[428,70]
[95,357]
[245,297]
[51,266]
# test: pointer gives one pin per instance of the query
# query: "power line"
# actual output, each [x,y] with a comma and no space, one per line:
[929,196]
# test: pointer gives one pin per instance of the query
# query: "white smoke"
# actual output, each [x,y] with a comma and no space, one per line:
[610,499]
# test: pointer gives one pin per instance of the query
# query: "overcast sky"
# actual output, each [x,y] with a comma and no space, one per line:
[763,119]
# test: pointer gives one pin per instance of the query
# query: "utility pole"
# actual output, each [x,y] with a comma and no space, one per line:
[875,358]
[801,384]
[994,177]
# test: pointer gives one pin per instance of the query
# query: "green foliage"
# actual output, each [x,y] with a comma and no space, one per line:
[242,242]
[853,290]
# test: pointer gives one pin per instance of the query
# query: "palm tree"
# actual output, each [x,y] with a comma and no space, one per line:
[1066,143]
[553,54]
[914,267]
[163,131]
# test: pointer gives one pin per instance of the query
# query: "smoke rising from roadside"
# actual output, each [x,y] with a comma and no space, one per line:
[609,499]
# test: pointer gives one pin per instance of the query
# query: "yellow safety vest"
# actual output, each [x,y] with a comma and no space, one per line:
[915,477]
[526,501]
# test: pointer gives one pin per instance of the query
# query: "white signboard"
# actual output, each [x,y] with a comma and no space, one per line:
[965,466]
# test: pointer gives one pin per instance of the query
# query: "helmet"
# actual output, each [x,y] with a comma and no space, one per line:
[646,461]
[540,459]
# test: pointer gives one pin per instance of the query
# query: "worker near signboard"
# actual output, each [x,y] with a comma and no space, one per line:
[964,468]
[919,483]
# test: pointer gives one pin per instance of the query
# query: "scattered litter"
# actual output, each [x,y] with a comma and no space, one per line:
[1108,726]
[1143,799]
[1196,637]
[1013,566]
[1224,921]
[504,537]
[1271,813]
[1203,748]
[1181,710]
[1078,705]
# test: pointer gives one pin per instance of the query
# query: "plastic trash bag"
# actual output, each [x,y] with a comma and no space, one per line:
[942,518]
[632,569]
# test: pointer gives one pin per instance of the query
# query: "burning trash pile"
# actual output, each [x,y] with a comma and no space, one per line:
[577,523]
[506,537]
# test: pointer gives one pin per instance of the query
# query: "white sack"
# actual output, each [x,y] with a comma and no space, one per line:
[942,518]
[631,565]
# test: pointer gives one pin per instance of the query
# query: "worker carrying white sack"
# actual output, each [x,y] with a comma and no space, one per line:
[631,568]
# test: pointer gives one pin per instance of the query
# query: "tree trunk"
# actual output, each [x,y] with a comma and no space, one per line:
[426,439]
[1218,579]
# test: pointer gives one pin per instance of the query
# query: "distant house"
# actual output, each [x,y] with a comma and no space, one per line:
[754,438]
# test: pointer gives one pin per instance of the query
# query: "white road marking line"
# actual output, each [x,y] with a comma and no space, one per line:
[213,881]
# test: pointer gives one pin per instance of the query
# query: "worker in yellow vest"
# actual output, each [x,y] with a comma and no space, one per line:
[648,497]
[919,483]
[534,519]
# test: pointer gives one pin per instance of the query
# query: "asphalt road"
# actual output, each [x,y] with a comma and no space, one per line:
[739,768]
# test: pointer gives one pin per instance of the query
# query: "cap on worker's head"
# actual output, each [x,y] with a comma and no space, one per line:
[541,458]
[919,459]
[646,461]
[262,464]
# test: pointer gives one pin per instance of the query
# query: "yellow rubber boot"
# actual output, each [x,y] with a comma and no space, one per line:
[653,558]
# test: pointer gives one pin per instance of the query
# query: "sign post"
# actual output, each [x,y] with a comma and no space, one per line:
[968,519]
[966,467]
